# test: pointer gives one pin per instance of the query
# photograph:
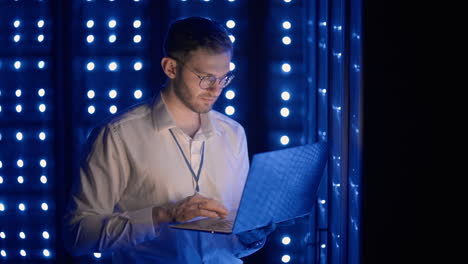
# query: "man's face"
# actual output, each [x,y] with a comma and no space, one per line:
[187,84]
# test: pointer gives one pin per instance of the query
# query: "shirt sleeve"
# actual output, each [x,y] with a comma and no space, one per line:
[91,225]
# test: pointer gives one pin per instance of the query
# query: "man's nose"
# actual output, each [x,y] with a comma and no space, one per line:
[216,88]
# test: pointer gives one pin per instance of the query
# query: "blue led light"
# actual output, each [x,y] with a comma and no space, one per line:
[90,66]
[284,140]
[232,38]
[286,25]
[16,38]
[230,23]
[112,23]
[1,164]
[20,179]
[1,180]
[285,258]
[2,207]
[17,65]
[137,38]
[112,93]
[229,110]
[137,66]
[42,108]
[91,94]
[43,179]
[113,109]
[232,66]
[22,235]
[44,207]
[21,206]
[90,23]
[20,163]
[285,96]
[136,23]
[46,253]
[43,163]
[286,67]
[286,240]
[112,38]
[17,23]
[230,94]
[284,112]
[19,136]
[3,253]
[286,40]
[90,38]
[23,253]
[97,255]
[138,94]
[40,23]
[2,235]
[41,64]
[91,109]
[113,66]
[40,38]
[41,92]
[287,1]
[45,235]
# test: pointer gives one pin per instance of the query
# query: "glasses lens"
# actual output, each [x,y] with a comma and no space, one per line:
[207,81]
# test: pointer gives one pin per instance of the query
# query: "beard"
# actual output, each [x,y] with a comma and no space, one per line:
[190,100]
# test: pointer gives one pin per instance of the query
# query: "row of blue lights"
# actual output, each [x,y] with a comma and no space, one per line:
[23,253]
[112,38]
[113,66]
[44,234]
[20,136]
[22,207]
[112,23]
[17,23]
[19,92]
[19,108]
[17,38]
[18,64]
[21,179]
[20,163]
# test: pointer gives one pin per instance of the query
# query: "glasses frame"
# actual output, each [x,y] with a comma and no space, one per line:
[230,76]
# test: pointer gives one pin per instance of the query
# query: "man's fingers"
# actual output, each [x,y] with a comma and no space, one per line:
[214,206]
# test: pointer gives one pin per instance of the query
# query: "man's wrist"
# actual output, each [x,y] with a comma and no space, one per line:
[162,215]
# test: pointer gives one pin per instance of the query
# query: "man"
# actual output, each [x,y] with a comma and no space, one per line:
[168,160]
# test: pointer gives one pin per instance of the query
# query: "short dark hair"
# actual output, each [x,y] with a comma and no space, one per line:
[191,33]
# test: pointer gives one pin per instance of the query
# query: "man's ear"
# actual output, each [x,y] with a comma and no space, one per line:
[169,67]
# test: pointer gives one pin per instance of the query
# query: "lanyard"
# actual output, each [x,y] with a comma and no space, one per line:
[195,176]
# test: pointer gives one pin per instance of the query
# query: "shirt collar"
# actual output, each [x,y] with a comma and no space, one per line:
[162,119]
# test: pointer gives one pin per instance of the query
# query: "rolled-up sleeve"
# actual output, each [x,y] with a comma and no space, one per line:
[90,223]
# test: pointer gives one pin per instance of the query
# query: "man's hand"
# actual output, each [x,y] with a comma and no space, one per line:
[189,208]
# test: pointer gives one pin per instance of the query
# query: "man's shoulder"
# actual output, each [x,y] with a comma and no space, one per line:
[225,121]
[130,116]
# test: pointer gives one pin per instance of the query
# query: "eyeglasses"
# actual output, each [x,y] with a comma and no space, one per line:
[209,80]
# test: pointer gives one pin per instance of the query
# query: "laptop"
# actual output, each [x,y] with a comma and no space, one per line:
[281,185]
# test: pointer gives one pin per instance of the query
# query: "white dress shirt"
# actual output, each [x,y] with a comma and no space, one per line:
[133,164]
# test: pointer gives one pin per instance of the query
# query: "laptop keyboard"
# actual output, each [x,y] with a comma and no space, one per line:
[220,225]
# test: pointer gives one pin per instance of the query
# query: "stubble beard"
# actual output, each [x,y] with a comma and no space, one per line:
[181,91]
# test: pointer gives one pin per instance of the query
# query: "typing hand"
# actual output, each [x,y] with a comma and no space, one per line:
[189,208]
[252,237]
